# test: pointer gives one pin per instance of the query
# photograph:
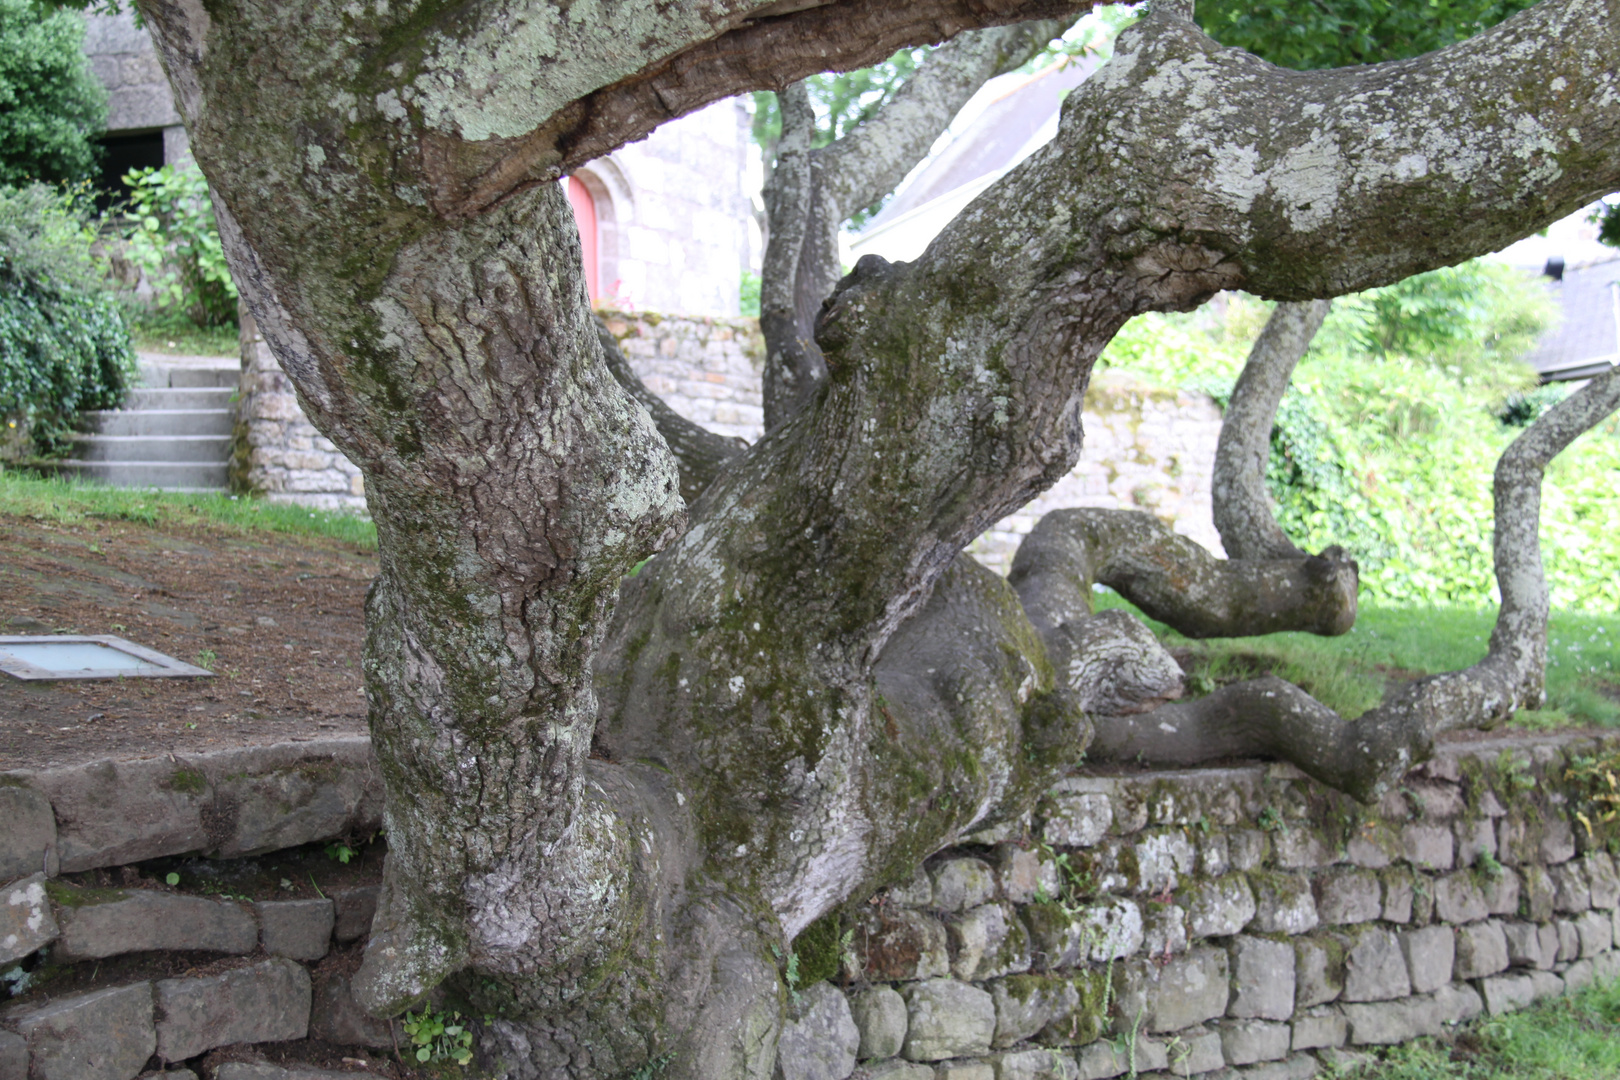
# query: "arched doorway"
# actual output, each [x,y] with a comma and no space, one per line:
[579,196]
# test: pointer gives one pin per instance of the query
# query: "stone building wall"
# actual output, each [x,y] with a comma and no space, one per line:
[708,370]
[123,59]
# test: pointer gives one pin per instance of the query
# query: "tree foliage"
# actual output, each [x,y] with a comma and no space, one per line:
[51,106]
[174,238]
[64,346]
[1307,34]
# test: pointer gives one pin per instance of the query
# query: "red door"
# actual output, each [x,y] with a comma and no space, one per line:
[585,217]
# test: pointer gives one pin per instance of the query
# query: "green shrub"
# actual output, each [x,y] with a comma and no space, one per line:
[64,346]
[174,238]
[50,103]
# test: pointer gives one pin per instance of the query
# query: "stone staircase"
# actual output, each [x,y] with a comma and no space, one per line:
[173,433]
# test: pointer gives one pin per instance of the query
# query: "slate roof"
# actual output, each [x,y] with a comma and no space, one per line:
[1587,339]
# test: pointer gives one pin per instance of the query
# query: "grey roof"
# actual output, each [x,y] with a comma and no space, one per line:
[992,141]
[1587,339]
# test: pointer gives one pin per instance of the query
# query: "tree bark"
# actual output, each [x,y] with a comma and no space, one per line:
[808,690]
[1241,504]
[821,189]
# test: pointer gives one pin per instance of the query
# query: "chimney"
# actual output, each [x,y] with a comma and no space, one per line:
[1554,268]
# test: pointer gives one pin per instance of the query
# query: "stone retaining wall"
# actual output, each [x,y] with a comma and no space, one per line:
[1224,922]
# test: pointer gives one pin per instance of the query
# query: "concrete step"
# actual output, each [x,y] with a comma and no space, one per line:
[167,475]
[212,397]
[197,377]
[159,422]
[153,448]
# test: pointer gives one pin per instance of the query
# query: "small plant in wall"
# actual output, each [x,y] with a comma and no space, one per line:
[438,1037]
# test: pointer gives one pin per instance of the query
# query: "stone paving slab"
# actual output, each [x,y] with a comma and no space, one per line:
[242,801]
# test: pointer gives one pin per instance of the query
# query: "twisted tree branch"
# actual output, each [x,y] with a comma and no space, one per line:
[1242,507]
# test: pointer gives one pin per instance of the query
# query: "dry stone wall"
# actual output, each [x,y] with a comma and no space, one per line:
[1224,922]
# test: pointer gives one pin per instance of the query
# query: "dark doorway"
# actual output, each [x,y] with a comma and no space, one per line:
[120,154]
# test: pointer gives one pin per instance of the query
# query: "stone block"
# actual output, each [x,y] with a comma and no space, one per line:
[1481,950]
[1188,990]
[1430,953]
[1547,839]
[1601,880]
[26,921]
[1244,1042]
[268,1002]
[1248,849]
[1537,896]
[1219,907]
[1501,891]
[1596,931]
[1134,1057]
[1457,1003]
[899,944]
[337,1018]
[962,883]
[1023,875]
[1318,970]
[895,1070]
[988,941]
[1262,973]
[917,893]
[353,911]
[1428,847]
[1571,893]
[946,1019]
[1024,1005]
[1195,1051]
[300,929]
[1283,903]
[28,842]
[1457,898]
[1110,930]
[141,920]
[1475,837]
[1569,940]
[1164,930]
[1507,993]
[102,1035]
[1579,975]
[1322,1026]
[1294,1067]
[1375,967]
[1397,885]
[13,1056]
[819,1037]
[1031,1065]
[1302,849]
[1384,1023]
[1373,846]
[1348,896]
[1161,858]
[1076,820]
[259,1070]
[1546,984]
[1214,856]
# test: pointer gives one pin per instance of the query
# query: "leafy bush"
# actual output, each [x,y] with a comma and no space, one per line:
[63,342]
[174,238]
[50,103]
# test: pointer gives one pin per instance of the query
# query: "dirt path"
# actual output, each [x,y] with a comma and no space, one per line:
[278,619]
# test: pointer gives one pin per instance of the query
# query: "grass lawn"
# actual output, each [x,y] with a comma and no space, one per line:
[179,336]
[1571,1038]
[66,501]
[1349,673]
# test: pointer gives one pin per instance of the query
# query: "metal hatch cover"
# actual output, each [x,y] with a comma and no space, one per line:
[93,656]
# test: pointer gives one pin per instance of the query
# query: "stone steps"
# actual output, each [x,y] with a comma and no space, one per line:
[174,433]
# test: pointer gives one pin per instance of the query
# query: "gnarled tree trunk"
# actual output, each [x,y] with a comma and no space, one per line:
[613,801]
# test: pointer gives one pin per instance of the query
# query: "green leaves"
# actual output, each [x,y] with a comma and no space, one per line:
[173,237]
[438,1036]
[50,104]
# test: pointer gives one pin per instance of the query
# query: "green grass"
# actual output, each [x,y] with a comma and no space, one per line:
[69,502]
[1571,1038]
[179,336]
[1349,673]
